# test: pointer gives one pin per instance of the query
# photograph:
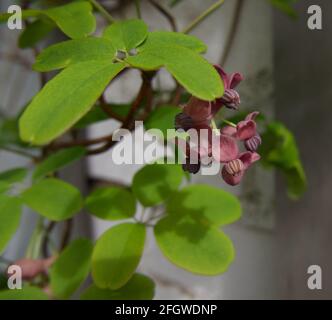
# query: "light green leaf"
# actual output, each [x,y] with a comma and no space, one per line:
[126,35]
[53,199]
[162,118]
[286,6]
[65,99]
[10,216]
[26,293]
[13,175]
[194,247]
[206,204]
[160,38]
[139,287]
[71,268]
[111,203]
[35,32]
[69,52]
[76,19]
[117,254]
[191,70]
[57,161]
[154,183]
[4,186]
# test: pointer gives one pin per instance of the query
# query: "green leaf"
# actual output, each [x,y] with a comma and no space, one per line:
[71,268]
[191,70]
[53,199]
[286,6]
[35,32]
[55,108]
[4,186]
[14,175]
[76,19]
[280,150]
[194,247]
[96,114]
[139,287]
[26,293]
[9,132]
[10,216]
[162,118]
[117,254]
[154,183]
[126,35]
[160,38]
[69,52]
[57,161]
[206,204]
[111,203]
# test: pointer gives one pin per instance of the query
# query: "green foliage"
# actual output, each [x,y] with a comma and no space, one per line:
[280,150]
[57,161]
[162,118]
[35,32]
[117,254]
[206,204]
[193,246]
[286,6]
[10,216]
[82,82]
[71,268]
[139,287]
[53,199]
[14,175]
[111,203]
[154,183]
[64,54]
[26,293]
[126,35]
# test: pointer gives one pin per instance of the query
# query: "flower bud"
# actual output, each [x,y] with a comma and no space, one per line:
[231,99]
[234,167]
[253,143]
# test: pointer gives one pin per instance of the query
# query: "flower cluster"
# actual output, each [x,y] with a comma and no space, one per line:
[219,145]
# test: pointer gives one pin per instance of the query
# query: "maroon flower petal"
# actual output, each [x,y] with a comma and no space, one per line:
[246,129]
[252,115]
[224,148]
[229,131]
[235,79]
[230,179]
[198,110]
[248,158]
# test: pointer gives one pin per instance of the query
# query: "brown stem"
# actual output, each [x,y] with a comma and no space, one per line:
[108,110]
[66,233]
[46,239]
[232,32]
[166,13]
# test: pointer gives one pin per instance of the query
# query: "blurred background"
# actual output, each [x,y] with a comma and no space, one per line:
[288,71]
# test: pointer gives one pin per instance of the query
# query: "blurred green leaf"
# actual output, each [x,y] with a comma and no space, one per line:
[139,287]
[10,216]
[117,254]
[35,32]
[57,161]
[162,118]
[53,199]
[160,38]
[194,247]
[55,109]
[154,183]
[14,175]
[206,204]
[286,6]
[26,293]
[111,203]
[280,150]
[71,268]
[191,70]
[70,52]
[126,35]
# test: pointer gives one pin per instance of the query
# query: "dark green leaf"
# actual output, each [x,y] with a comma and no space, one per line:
[154,183]
[10,216]
[111,203]
[117,254]
[57,161]
[55,109]
[14,175]
[26,293]
[71,268]
[139,287]
[53,199]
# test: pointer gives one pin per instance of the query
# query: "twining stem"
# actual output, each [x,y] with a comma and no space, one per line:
[102,10]
[202,16]
[138,9]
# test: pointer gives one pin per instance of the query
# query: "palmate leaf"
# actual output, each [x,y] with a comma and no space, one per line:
[65,99]
[139,287]
[117,254]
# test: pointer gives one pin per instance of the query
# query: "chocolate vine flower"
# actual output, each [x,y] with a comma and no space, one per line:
[199,112]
